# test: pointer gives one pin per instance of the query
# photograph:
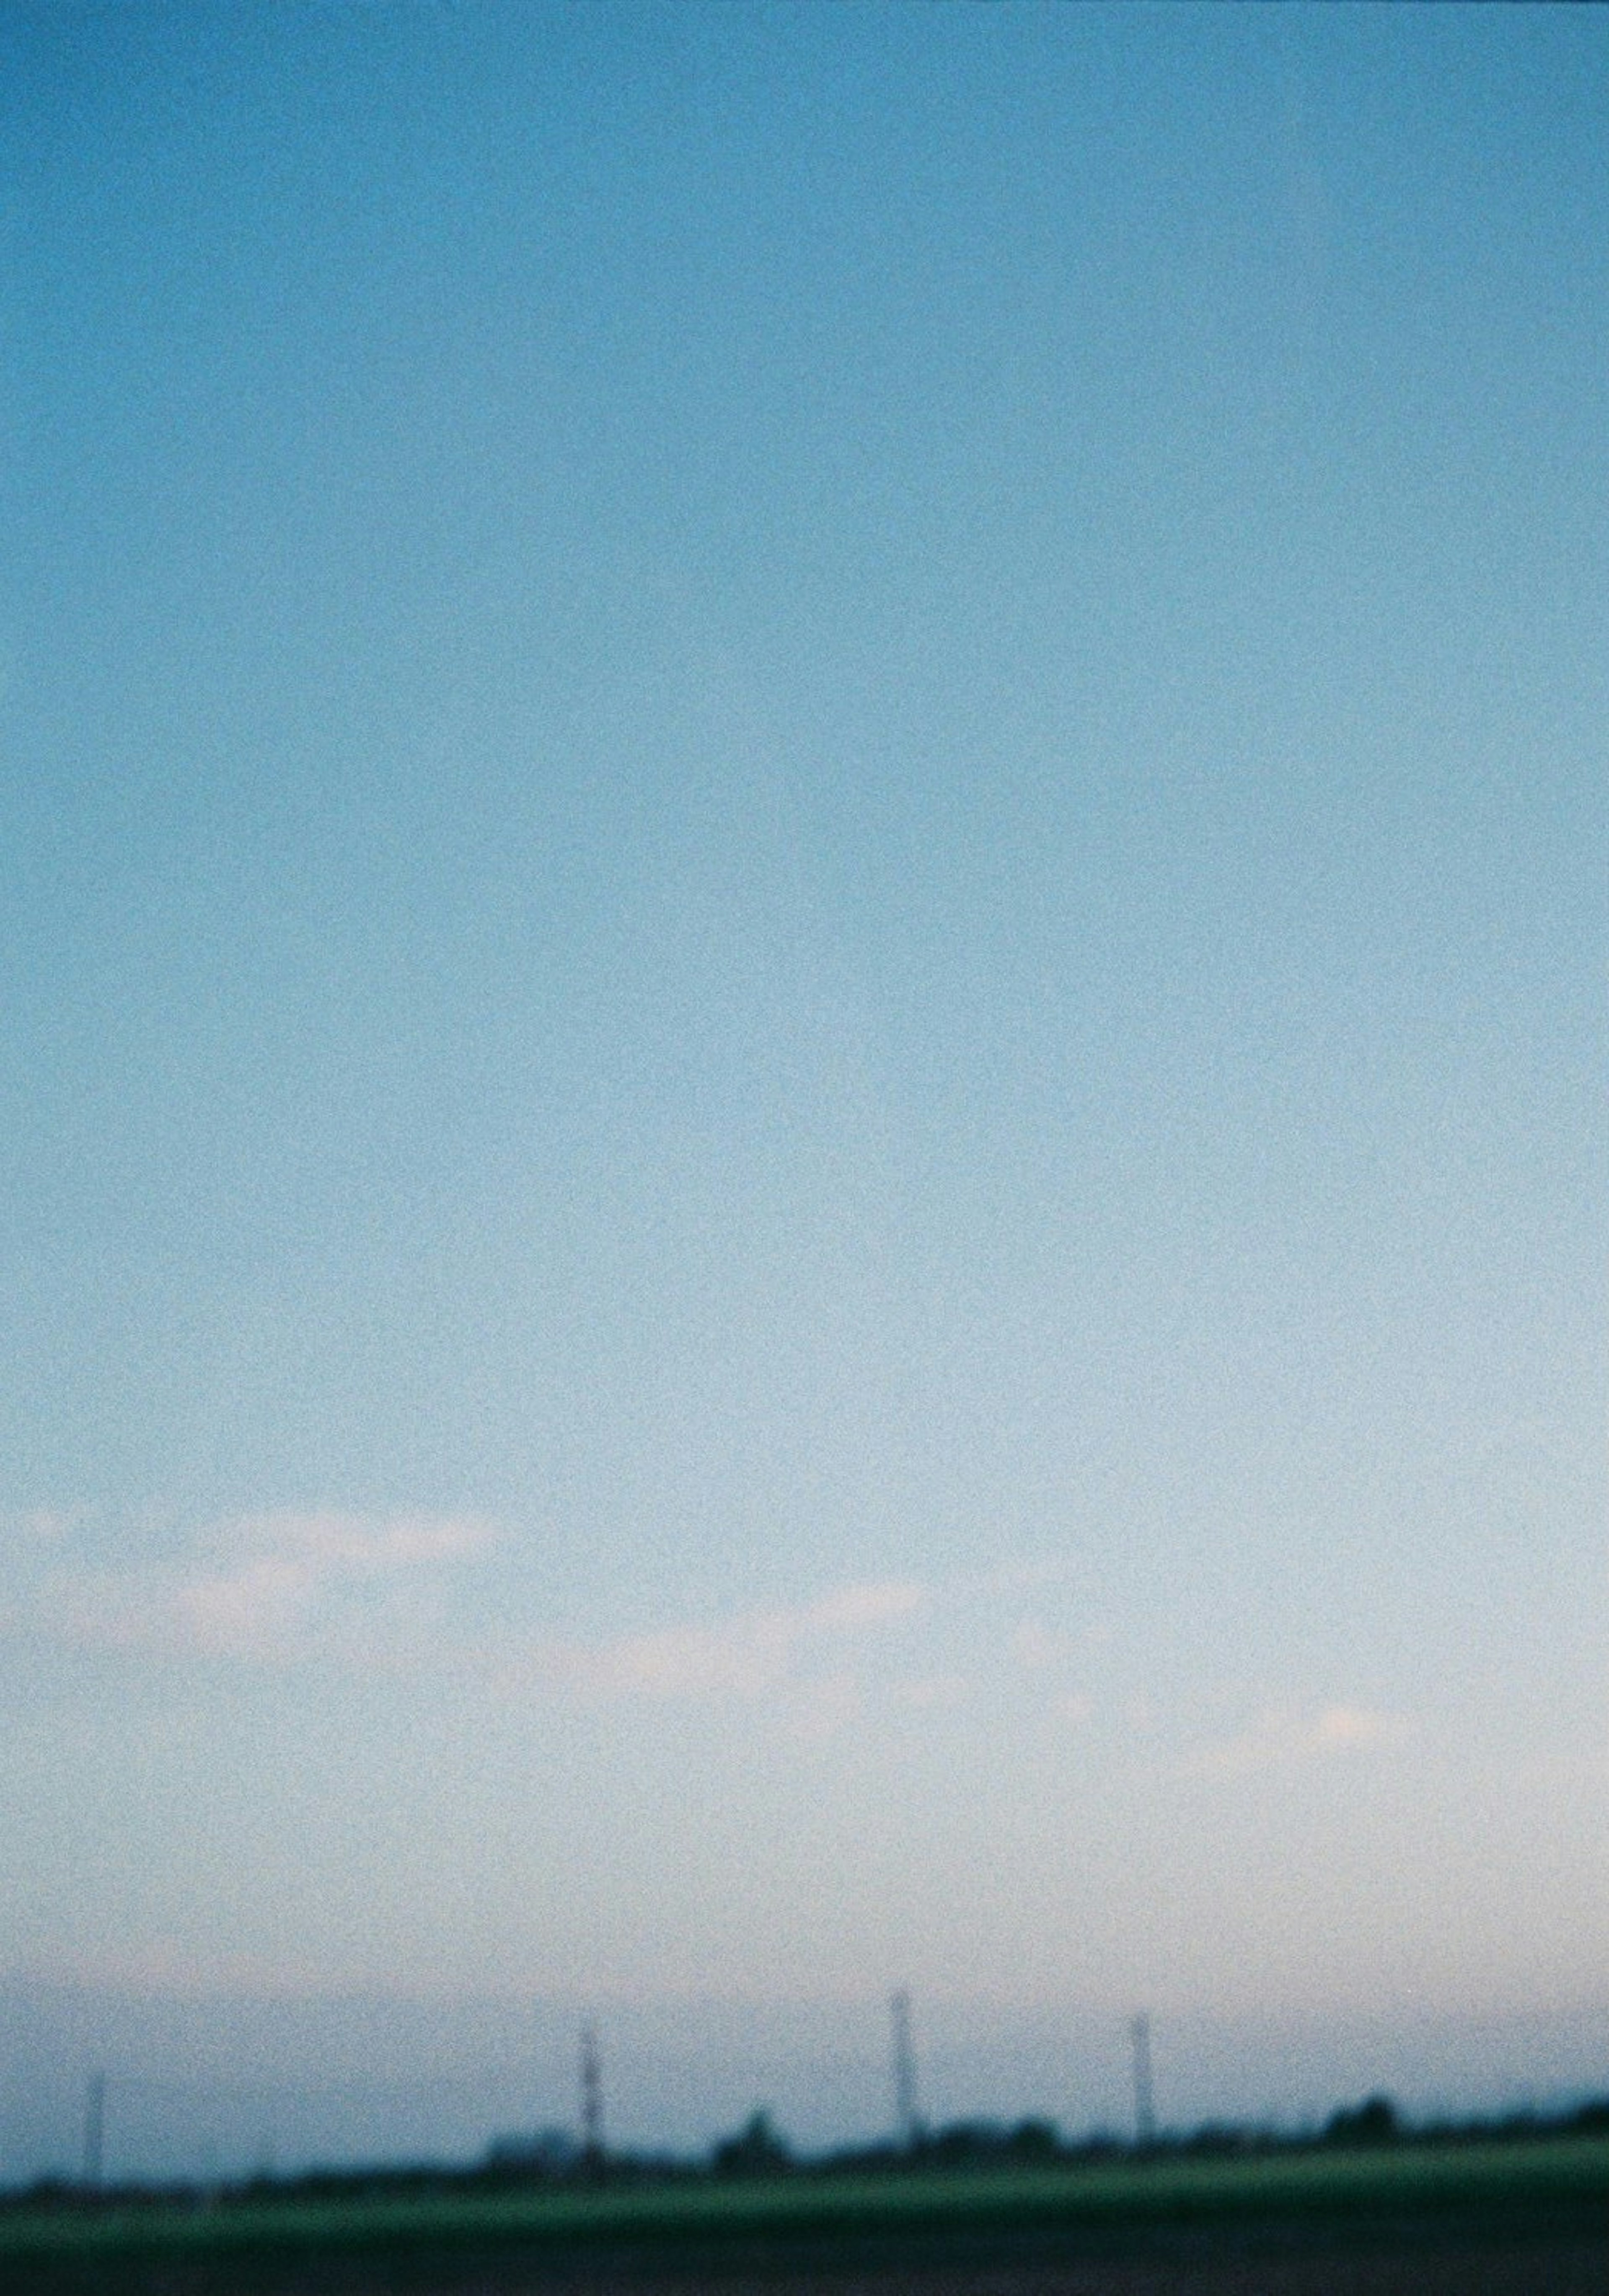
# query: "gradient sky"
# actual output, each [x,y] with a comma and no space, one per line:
[802,1021]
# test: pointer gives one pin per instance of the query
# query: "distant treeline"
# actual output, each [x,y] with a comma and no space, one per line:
[554,2161]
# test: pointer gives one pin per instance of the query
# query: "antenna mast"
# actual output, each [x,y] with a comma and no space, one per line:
[1145,2112]
[591,2097]
[94,2131]
[906,2118]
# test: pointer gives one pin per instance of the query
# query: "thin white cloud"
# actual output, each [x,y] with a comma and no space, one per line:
[36,1527]
[362,1545]
[743,1656]
[264,1587]
[740,1657]
[1035,1647]
[851,1608]
[248,1610]
[1278,1740]
[926,1693]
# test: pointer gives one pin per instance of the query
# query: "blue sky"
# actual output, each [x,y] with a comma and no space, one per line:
[802,1033]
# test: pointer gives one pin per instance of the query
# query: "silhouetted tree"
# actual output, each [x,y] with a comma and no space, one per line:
[1373,2122]
[1033,2141]
[756,2152]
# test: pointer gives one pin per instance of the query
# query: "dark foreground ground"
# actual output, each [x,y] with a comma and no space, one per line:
[1552,2259]
[1527,2220]
[1556,2259]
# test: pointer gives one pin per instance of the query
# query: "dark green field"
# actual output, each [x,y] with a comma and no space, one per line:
[1437,2209]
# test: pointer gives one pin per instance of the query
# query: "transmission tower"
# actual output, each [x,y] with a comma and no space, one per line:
[1145,2112]
[906,2118]
[592,2098]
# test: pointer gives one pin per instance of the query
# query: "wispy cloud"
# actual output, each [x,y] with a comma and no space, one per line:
[741,1656]
[359,1589]
[1035,1647]
[926,1693]
[1278,1740]
[254,1586]
[38,1526]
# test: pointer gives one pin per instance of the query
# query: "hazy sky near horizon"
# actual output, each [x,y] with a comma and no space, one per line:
[802,1003]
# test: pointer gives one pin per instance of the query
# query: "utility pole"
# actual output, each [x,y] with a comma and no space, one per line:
[592,2098]
[1145,2111]
[906,2120]
[95,2132]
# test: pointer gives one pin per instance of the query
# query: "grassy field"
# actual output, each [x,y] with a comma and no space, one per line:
[662,2224]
